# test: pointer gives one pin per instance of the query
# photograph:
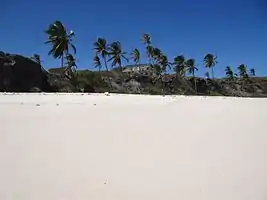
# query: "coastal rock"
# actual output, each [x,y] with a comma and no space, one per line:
[21,74]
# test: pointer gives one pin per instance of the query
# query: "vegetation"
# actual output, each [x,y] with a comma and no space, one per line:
[116,54]
[171,75]
[60,41]
[210,61]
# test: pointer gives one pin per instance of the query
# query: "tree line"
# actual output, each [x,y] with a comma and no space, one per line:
[62,45]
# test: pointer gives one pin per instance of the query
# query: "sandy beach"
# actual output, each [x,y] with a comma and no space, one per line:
[132,147]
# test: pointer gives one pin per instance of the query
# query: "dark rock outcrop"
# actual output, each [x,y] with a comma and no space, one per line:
[21,74]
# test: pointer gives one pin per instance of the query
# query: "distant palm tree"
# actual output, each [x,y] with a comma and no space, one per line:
[242,71]
[210,61]
[36,58]
[135,56]
[252,72]
[229,73]
[179,65]
[60,41]
[191,67]
[97,62]
[116,54]
[101,49]
[156,54]
[146,40]
[164,63]
[150,54]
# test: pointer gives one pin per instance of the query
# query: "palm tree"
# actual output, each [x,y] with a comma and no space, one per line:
[117,55]
[179,65]
[156,55]
[146,40]
[164,63]
[101,49]
[150,54]
[60,41]
[210,61]
[135,56]
[252,72]
[36,58]
[97,62]
[242,71]
[229,73]
[191,67]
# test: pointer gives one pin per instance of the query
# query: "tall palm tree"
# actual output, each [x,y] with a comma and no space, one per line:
[242,69]
[36,58]
[191,67]
[101,49]
[229,73]
[97,62]
[146,40]
[210,61]
[116,54]
[150,54]
[179,65]
[60,41]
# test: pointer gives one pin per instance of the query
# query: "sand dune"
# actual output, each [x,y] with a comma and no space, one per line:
[130,147]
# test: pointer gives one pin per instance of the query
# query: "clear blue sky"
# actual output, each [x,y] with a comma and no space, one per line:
[234,30]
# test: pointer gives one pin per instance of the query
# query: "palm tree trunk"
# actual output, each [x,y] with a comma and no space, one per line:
[195,80]
[106,63]
[120,68]
[62,61]
[212,72]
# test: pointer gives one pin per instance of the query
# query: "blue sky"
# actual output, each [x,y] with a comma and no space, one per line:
[234,30]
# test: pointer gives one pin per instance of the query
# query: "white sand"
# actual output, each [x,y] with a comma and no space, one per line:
[130,147]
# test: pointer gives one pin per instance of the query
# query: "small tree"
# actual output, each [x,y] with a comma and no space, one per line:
[252,72]
[70,65]
[229,73]
[135,56]
[242,69]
